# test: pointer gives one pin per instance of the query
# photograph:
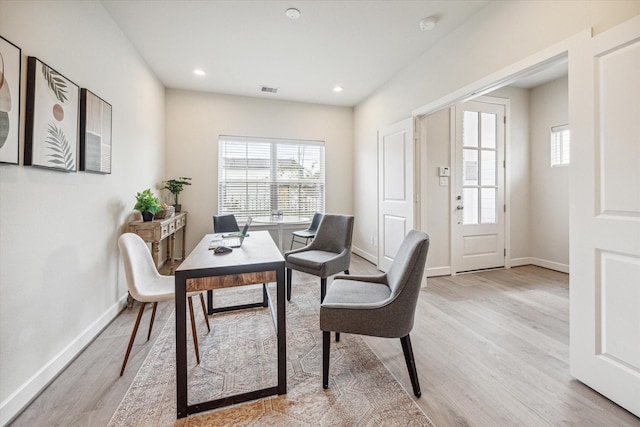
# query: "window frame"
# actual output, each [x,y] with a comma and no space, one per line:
[559,155]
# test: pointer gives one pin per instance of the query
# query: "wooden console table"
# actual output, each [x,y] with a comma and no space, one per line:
[156,231]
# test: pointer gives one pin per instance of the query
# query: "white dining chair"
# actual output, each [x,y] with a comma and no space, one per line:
[146,285]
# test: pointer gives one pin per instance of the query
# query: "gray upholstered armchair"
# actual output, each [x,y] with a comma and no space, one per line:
[380,306]
[329,252]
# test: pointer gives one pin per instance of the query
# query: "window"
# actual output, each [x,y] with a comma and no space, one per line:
[560,149]
[259,175]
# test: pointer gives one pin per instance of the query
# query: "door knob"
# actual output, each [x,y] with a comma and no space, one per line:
[459,207]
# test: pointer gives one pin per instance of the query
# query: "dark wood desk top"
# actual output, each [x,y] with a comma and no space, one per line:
[258,249]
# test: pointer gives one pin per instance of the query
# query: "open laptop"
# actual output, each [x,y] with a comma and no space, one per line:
[232,240]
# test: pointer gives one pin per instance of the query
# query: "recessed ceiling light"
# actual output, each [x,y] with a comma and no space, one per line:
[338,89]
[292,13]
[428,24]
[199,72]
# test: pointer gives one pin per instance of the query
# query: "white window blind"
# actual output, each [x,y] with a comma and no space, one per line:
[259,175]
[560,145]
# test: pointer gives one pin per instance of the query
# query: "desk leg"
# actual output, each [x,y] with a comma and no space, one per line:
[181,345]
[280,237]
[282,333]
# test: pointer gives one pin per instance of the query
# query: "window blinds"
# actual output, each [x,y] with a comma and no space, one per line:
[259,175]
[560,145]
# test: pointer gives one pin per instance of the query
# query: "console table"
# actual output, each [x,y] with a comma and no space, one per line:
[156,231]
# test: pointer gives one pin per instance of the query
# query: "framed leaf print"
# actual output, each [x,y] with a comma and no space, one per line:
[10,59]
[95,133]
[51,128]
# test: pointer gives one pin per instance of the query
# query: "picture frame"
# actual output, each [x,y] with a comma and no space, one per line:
[95,133]
[10,73]
[51,122]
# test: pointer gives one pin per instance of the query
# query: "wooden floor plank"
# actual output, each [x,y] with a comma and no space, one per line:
[491,349]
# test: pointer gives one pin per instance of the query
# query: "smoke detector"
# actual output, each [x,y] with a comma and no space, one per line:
[428,24]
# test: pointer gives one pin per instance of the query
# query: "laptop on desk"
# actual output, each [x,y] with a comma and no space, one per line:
[233,240]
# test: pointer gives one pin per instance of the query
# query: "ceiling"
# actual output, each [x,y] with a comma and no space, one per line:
[243,45]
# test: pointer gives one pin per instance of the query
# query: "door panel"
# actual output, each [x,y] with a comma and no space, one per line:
[395,187]
[605,213]
[478,217]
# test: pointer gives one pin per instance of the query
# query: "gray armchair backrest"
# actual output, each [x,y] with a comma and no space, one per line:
[334,234]
[405,276]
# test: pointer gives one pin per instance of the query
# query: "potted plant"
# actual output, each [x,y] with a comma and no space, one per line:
[148,204]
[175,186]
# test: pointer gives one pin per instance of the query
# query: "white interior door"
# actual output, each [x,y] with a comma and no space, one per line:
[395,189]
[477,220]
[604,107]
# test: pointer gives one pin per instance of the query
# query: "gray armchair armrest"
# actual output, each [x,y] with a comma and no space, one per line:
[381,278]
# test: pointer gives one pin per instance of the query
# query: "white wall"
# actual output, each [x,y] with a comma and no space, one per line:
[549,186]
[61,279]
[194,120]
[499,35]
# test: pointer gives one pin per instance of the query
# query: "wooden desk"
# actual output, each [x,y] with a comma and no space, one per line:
[257,261]
[156,231]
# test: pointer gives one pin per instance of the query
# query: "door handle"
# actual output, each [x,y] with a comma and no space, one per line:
[459,207]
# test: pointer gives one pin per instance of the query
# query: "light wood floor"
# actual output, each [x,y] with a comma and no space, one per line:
[491,350]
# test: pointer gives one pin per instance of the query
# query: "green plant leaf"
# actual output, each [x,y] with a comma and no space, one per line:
[56,82]
[61,155]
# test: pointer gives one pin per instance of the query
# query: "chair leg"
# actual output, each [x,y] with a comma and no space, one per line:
[204,311]
[193,330]
[133,337]
[337,336]
[326,347]
[323,288]
[346,271]
[289,273]
[265,297]
[153,316]
[411,365]
[210,301]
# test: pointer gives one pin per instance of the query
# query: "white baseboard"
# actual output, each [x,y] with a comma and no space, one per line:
[438,271]
[366,255]
[551,265]
[563,268]
[25,394]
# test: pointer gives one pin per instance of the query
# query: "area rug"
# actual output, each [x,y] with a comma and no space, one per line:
[239,354]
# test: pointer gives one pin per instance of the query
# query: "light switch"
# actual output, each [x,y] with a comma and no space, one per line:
[444,181]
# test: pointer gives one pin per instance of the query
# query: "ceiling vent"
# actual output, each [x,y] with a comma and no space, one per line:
[268,89]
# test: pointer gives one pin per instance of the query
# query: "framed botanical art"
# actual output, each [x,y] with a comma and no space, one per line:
[95,133]
[10,59]
[51,125]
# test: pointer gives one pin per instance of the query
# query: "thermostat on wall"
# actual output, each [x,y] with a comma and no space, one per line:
[444,171]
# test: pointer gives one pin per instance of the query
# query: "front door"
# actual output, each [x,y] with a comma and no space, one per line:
[604,107]
[478,210]
[395,188]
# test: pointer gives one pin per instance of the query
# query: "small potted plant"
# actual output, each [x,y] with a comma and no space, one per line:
[175,186]
[148,204]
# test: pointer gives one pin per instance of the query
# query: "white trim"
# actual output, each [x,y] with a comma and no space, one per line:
[551,265]
[27,392]
[366,255]
[527,66]
[438,271]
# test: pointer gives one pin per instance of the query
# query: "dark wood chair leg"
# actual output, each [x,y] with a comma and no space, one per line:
[411,365]
[193,330]
[289,274]
[323,288]
[133,337]
[265,298]
[346,271]
[204,311]
[337,336]
[153,316]
[326,347]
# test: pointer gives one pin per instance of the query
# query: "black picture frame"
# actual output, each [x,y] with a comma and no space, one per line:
[95,133]
[51,122]
[10,76]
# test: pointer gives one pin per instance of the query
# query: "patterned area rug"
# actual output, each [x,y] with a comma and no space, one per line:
[239,354]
